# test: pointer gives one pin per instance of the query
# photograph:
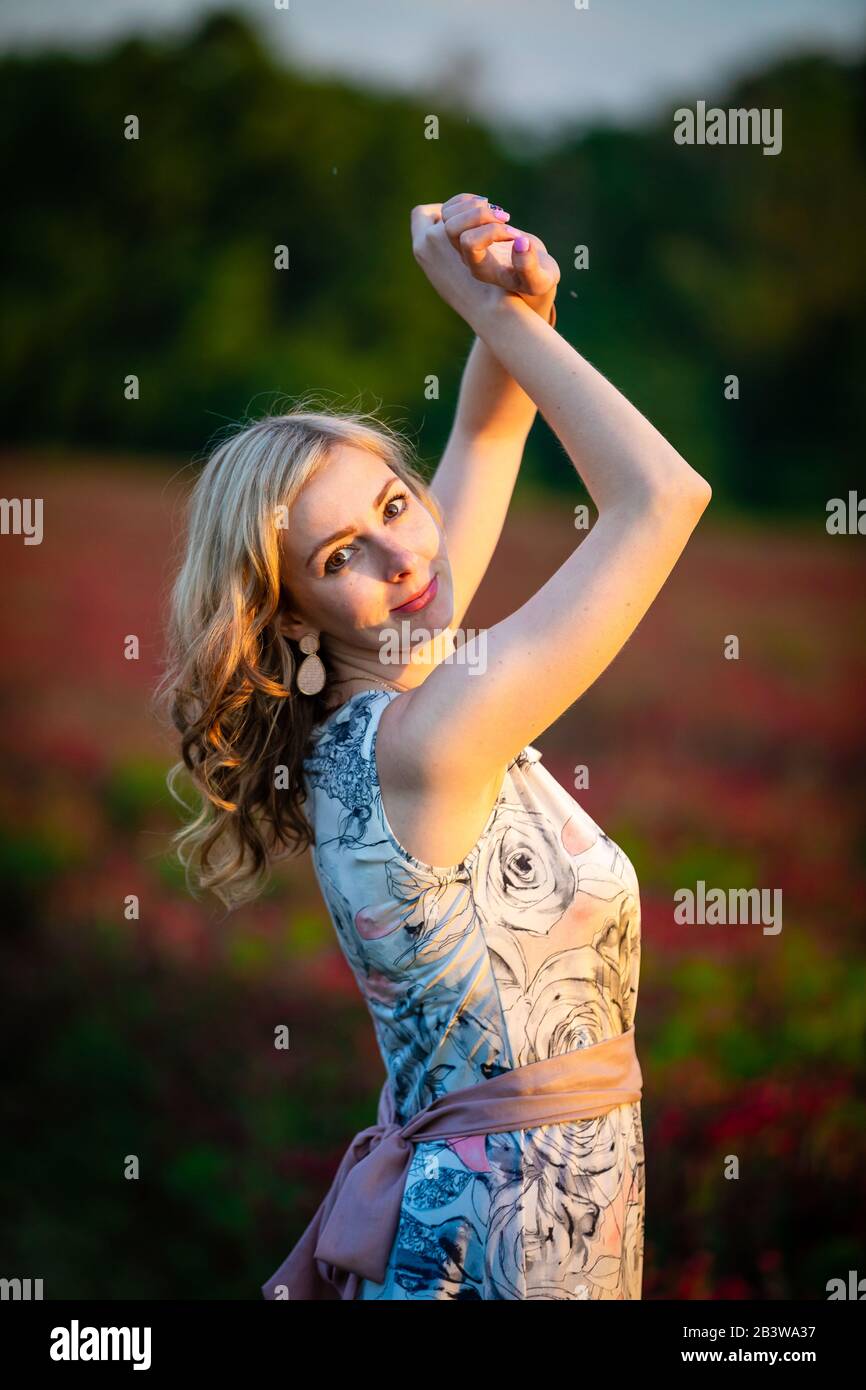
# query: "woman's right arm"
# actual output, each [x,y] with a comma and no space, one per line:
[620,456]
[546,654]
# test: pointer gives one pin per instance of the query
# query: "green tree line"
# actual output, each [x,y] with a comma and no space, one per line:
[155,257]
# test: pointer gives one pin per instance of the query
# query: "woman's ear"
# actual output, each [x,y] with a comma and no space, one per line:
[292,627]
[289,621]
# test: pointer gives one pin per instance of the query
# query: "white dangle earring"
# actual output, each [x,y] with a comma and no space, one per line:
[311,672]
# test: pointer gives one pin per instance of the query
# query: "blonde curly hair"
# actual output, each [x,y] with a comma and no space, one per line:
[227,685]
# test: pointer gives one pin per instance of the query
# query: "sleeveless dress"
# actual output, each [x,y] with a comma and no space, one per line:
[528,948]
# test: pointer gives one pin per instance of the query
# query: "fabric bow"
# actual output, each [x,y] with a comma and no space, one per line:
[350,1236]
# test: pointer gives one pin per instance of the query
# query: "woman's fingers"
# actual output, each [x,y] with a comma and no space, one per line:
[422,216]
[461,198]
[474,229]
[466,212]
[473,243]
[525,268]
[463,211]
[489,252]
[455,203]
[538,270]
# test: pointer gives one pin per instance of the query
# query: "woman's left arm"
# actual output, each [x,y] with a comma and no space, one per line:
[477,472]
[475,478]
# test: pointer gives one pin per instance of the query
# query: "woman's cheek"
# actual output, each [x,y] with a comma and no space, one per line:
[363,604]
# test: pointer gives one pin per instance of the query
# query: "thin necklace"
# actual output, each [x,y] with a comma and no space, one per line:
[386,685]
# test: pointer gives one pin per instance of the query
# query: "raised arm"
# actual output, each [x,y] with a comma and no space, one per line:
[545,655]
[475,479]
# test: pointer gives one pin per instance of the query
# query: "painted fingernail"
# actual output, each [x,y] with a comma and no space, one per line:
[501,214]
[521,243]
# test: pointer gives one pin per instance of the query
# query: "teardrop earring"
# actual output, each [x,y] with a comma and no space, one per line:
[311,673]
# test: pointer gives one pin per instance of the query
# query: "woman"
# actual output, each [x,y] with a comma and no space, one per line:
[493,928]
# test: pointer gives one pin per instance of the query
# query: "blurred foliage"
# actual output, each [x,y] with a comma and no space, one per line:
[133,789]
[156,257]
[153,1033]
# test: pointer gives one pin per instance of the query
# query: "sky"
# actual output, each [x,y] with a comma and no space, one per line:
[535,64]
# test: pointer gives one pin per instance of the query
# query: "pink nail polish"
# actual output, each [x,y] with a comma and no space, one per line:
[521,243]
[501,215]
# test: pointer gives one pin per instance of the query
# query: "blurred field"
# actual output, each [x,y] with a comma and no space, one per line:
[154,1037]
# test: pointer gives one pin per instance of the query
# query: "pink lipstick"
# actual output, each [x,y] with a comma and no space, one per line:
[420,600]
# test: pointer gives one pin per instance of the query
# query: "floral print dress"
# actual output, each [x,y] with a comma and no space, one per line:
[530,947]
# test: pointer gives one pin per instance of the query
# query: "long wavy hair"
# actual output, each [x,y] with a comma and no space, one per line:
[228,680]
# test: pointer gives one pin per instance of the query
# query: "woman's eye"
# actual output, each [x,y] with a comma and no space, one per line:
[398,497]
[332,569]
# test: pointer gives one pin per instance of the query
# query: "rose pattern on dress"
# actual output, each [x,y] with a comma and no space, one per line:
[528,949]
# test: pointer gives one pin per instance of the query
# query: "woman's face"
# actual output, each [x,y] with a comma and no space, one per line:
[358,545]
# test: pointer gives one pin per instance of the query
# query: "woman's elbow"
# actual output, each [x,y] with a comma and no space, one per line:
[691,493]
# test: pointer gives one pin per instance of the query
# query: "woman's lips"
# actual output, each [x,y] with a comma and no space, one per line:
[421,601]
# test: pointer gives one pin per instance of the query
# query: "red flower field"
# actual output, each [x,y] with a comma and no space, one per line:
[151,1033]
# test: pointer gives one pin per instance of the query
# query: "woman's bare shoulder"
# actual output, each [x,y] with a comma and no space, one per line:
[437,818]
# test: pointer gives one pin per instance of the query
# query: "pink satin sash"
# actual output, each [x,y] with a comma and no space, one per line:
[351,1236]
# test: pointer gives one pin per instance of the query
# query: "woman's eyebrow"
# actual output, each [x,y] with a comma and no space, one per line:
[350,531]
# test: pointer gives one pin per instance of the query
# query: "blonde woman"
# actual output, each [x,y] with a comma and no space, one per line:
[492,927]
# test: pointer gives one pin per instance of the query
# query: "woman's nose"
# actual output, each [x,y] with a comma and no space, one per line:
[400,563]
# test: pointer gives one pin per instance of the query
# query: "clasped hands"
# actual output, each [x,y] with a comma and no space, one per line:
[486,254]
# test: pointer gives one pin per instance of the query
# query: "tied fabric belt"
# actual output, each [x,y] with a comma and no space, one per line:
[351,1235]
